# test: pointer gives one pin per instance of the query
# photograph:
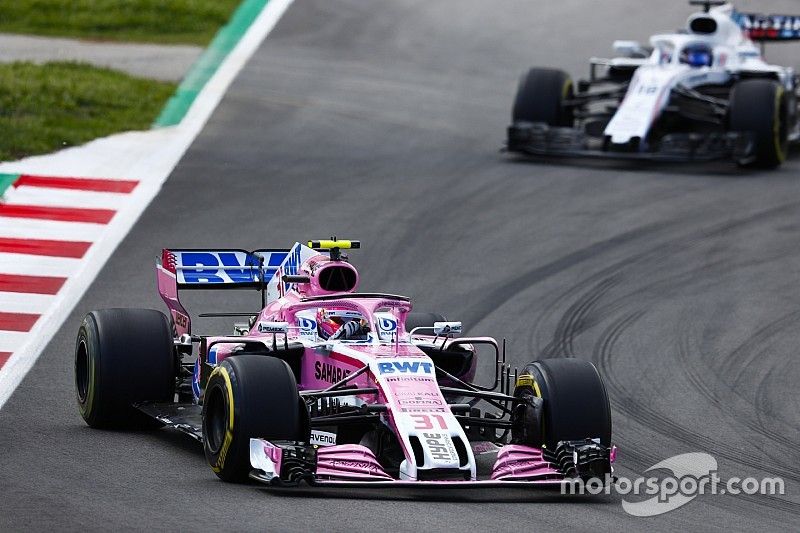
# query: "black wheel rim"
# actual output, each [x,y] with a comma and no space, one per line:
[215,420]
[82,372]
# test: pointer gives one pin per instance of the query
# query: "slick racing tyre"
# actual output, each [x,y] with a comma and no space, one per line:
[760,107]
[422,320]
[568,401]
[123,356]
[249,396]
[540,98]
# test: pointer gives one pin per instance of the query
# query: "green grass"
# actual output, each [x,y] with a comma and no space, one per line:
[47,107]
[162,21]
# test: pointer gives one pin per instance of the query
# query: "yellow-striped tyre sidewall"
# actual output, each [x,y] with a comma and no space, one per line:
[221,373]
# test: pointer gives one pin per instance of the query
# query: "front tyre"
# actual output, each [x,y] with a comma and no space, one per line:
[122,357]
[568,401]
[760,107]
[249,396]
[541,97]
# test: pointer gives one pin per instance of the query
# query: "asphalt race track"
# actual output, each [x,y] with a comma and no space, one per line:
[382,121]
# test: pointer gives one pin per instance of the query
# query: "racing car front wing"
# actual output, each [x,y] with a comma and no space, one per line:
[539,139]
[289,464]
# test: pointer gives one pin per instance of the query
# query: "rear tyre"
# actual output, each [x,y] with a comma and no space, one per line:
[123,356]
[249,396]
[540,98]
[574,403]
[760,107]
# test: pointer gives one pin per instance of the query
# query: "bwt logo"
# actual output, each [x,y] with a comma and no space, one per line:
[306,324]
[240,267]
[405,367]
[387,324]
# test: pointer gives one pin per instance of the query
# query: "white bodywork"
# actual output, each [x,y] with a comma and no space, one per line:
[656,75]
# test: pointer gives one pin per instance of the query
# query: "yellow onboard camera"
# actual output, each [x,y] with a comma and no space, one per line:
[331,244]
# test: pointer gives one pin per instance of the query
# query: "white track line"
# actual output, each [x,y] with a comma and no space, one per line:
[64,198]
[29,228]
[37,265]
[11,341]
[164,148]
[16,302]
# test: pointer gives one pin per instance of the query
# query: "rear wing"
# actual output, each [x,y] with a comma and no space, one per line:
[212,269]
[768,28]
[222,269]
[191,269]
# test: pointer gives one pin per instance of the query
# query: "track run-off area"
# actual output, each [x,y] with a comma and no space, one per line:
[382,121]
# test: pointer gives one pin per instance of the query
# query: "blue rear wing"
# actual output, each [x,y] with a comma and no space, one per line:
[222,269]
[213,269]
[768,28]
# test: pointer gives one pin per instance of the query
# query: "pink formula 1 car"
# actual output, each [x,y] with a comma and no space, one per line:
[329,386]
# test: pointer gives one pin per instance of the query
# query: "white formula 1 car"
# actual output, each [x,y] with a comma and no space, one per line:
[702,93]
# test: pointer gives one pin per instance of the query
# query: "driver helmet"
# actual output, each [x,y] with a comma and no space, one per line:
[331,322]
[697,55]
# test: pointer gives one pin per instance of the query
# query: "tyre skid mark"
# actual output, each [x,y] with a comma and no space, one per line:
[657,253]
[626,403]
[746,353]
[702,378]
[586,311]
[576,319]
[514,287]
[602,356]
[761,405]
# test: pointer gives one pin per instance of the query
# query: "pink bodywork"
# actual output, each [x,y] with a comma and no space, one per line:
[414,399]
[168,289]
[286,310]
[516,462]
[349,461]
[353,463]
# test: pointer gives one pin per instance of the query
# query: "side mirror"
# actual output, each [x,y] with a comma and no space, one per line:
[632,49]
[446,328]
[273,327]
